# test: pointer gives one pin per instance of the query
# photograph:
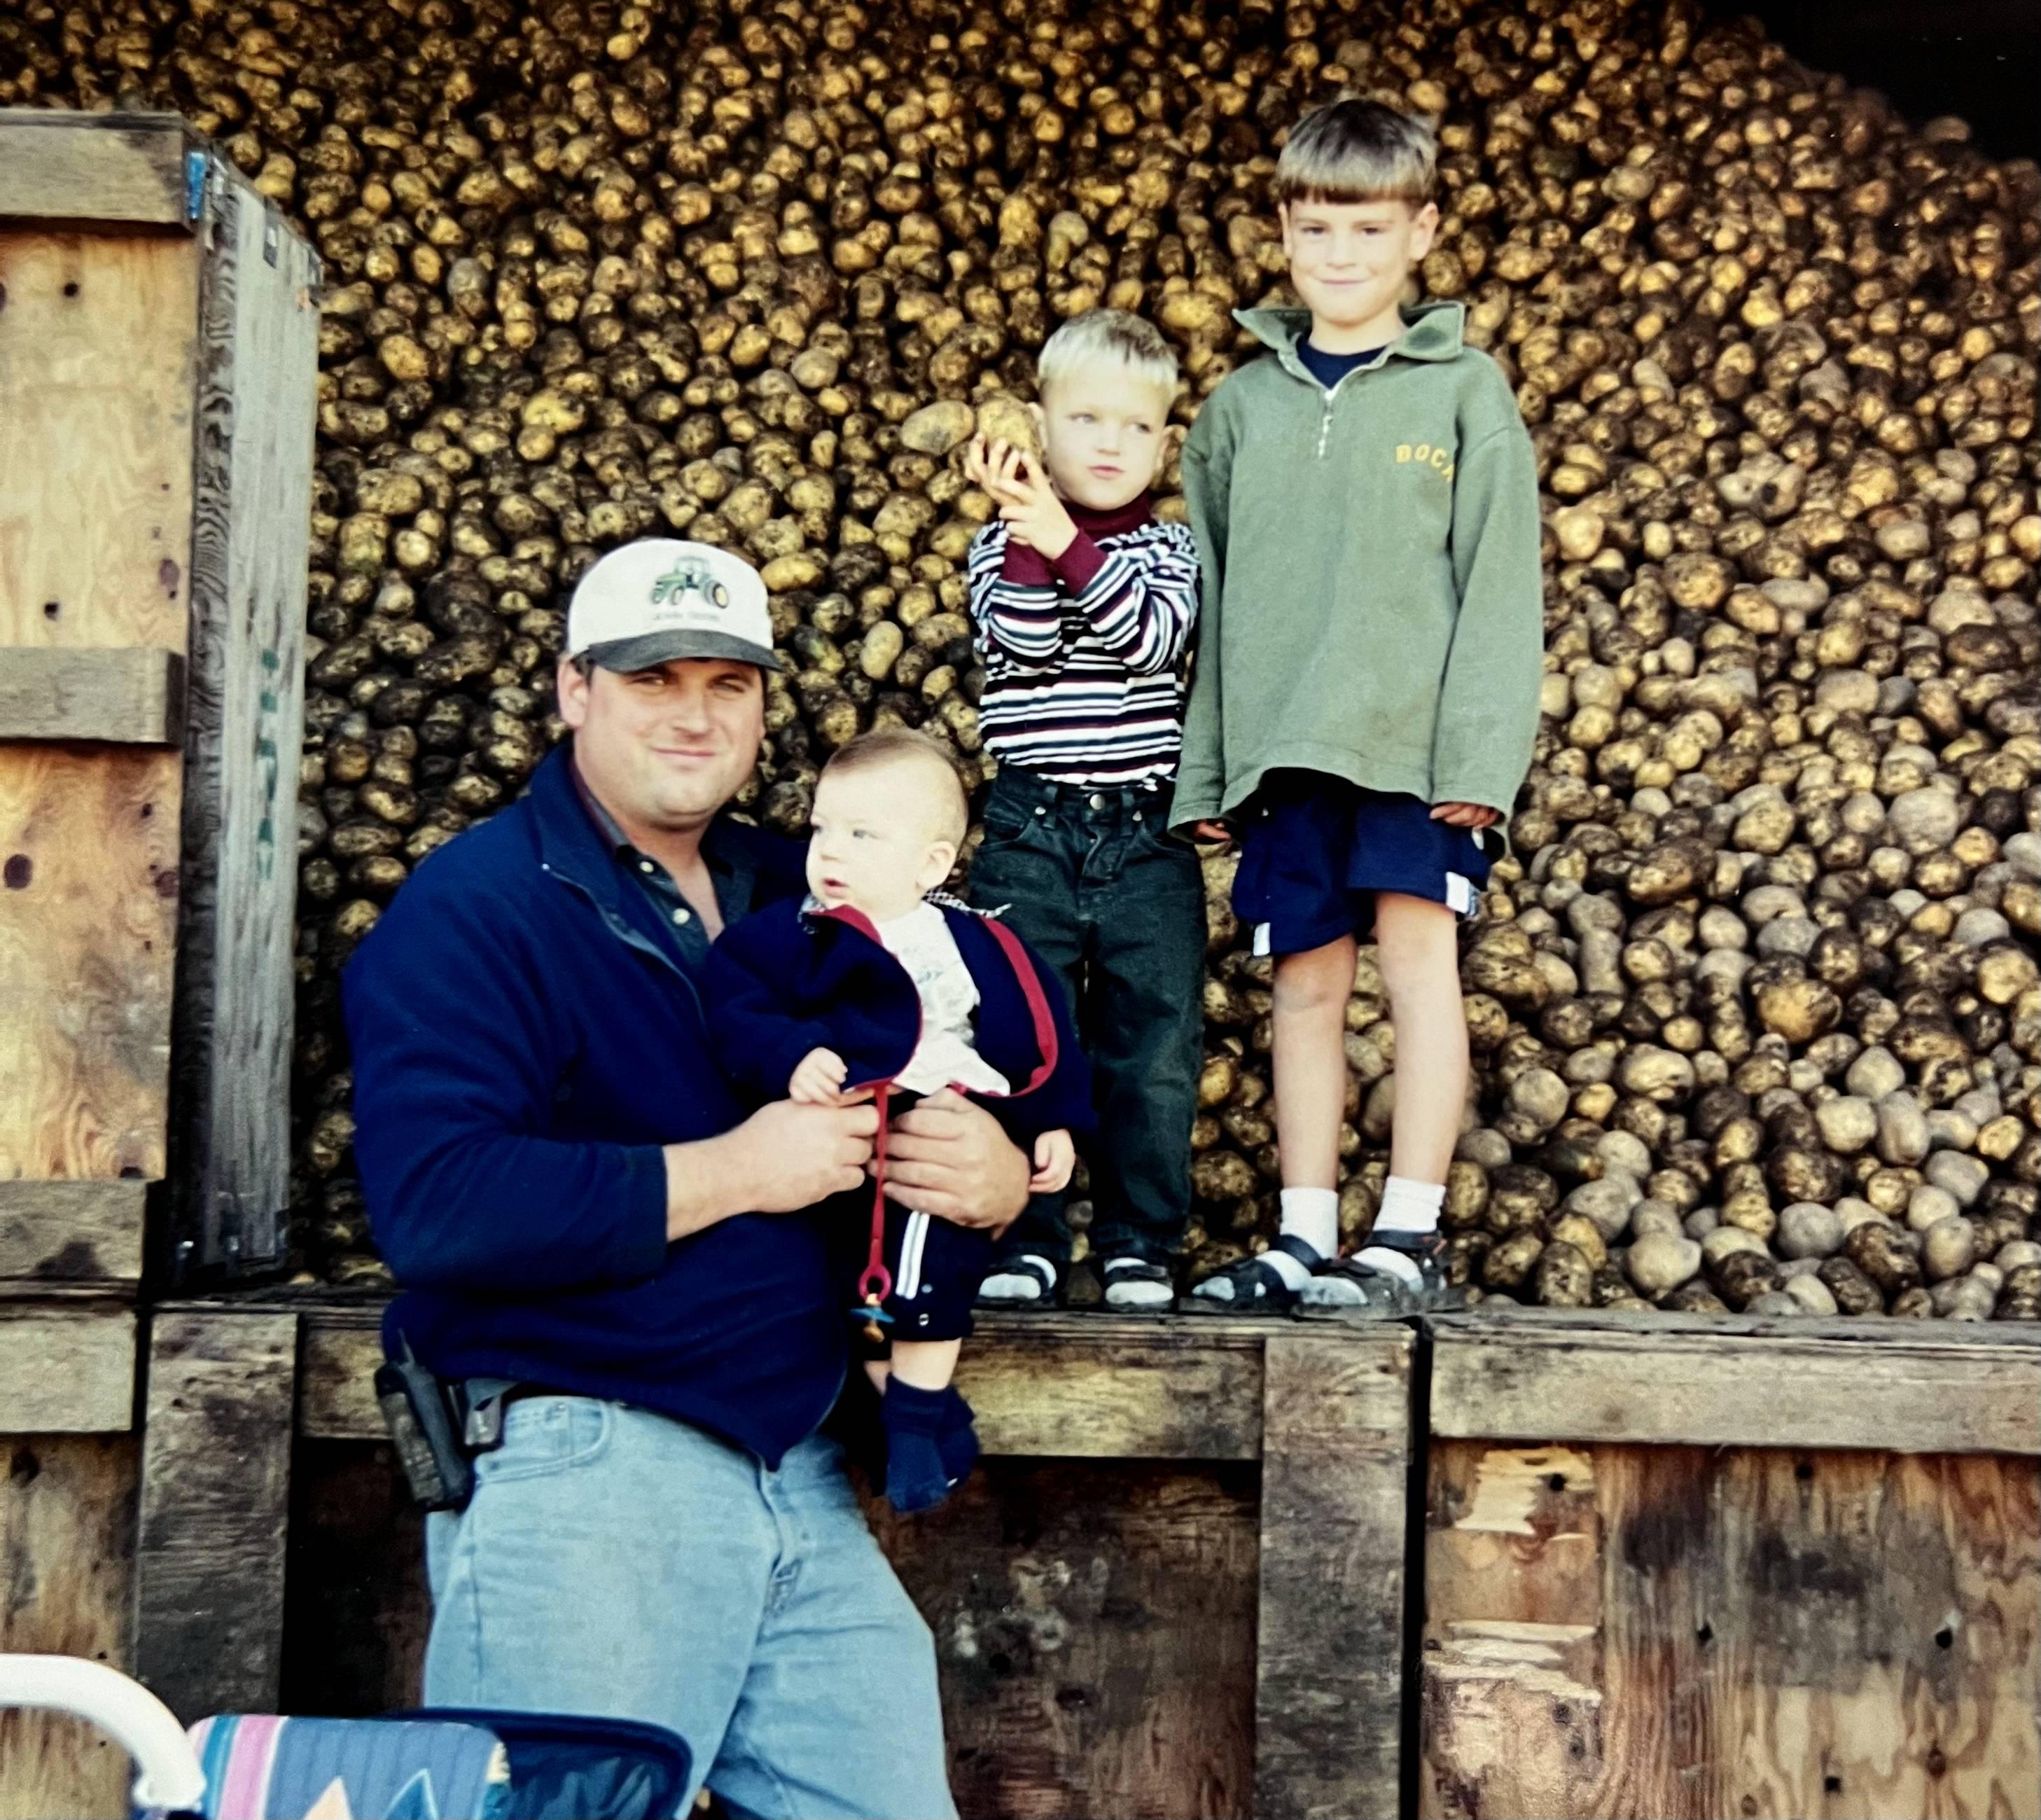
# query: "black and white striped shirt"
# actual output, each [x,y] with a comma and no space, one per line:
[1083,656]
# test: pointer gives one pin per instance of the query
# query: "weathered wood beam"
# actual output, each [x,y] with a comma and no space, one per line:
[65,165]
[72,1232]
[1081,1386]
[214,1510]
[130,697]
[1889,1386]
[66,1369]
[1328,1676]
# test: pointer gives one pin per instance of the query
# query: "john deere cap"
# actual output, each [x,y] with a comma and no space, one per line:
[660,598]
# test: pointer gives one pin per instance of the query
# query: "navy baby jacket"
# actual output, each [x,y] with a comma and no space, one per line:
[796,977]
[525,1038]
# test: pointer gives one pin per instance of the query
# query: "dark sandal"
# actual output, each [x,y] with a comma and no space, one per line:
[1025,1304]
[1135,1270]
[1258,1288]
[1384,1296]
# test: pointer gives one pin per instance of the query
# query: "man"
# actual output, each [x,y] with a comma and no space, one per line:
[576,1205]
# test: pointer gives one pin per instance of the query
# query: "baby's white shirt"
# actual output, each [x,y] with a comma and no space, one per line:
[948,1055]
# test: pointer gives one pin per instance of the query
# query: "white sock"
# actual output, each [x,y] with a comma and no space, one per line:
[1309,1213]
[1142,1293]
[1018,1285]
[1312,1214]
[1409,1206]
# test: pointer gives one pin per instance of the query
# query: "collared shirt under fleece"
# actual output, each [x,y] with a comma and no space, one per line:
[1083,654]
[1373,603]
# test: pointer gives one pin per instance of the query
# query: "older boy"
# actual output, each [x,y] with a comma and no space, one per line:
[1083,603]
[1366,693]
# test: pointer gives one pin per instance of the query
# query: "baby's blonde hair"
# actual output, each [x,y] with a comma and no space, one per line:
[1111,338]
[1355,151]
[885,747]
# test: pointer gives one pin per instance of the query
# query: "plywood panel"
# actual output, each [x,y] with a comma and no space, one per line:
[258,366]
[96,374]
[1682,1632]
[125,167]
[88,920]
[97,366]
[67,1536]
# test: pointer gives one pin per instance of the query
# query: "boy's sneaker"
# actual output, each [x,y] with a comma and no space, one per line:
[1394,1273]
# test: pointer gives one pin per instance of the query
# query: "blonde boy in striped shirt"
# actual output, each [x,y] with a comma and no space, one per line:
[1083,604]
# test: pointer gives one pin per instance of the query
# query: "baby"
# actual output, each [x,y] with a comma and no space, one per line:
[878,985]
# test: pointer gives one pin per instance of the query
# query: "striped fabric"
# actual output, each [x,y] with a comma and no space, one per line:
[260,1767]
[1085,686]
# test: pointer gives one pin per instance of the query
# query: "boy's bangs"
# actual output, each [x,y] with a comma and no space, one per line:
[1343,189]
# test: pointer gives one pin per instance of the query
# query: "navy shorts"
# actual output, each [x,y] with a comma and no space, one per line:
[1317,849]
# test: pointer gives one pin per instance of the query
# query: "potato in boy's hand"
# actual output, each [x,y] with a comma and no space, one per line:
[817,1079]
[1055,1157]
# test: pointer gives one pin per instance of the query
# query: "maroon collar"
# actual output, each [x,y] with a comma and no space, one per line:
[1135,513]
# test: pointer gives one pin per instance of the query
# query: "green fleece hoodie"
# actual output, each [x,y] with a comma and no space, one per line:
[1372,601]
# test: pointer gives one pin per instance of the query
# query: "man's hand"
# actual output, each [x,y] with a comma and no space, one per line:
[950,1158]
[1027,501]
[1216,831]
[817,1079]
[782,1159]
[1466,815]
[1055,1157]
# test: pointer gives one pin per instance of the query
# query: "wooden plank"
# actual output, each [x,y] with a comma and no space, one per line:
[1690,1632]
[67,1369]
[98,345]
[1094,1626]
[88,925]
[67,1536]
[1329,1677]
[71,1231]
[113,167]
[216,1487]
[133,695]
[257,381]
[1079,1386]
[1909,1395]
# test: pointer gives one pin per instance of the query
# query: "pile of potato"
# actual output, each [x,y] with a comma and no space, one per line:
[1755,1006]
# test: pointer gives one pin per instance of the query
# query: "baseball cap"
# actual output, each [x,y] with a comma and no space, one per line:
[663,598]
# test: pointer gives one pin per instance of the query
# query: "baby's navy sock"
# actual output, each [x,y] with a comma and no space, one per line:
[917,1475]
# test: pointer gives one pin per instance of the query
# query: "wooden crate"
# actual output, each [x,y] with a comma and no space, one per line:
[1175,1589]
[1684,1567]
[159,335]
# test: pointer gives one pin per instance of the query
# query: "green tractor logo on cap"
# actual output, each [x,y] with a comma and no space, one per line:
[687,578]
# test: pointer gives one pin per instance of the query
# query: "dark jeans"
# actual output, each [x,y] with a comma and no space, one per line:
[1094,884]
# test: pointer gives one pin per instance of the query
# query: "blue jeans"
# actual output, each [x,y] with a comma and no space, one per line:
[1094,883]
[615,1562]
